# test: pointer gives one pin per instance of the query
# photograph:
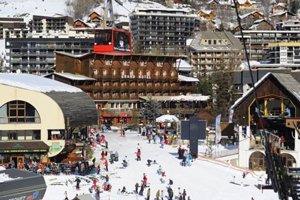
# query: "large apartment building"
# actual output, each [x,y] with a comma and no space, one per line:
[47,24]
[258,40]
[12,25]
[212,51]
[284,53]
[157,30]
[37,55]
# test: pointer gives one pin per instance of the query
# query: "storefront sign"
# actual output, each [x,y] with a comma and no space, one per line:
[22,150]
[55,148]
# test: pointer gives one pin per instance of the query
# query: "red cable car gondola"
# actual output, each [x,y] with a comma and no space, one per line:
[112,40]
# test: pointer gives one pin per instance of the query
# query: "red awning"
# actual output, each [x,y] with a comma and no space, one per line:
[106,115]
[123,115]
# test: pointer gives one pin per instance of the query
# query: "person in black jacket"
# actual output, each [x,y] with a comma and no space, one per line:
[171,193]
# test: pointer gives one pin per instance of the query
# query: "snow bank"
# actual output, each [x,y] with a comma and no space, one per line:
[5,177]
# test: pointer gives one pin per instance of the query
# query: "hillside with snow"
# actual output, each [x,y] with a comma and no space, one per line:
[27,8]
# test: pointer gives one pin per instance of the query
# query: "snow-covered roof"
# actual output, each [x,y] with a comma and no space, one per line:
[167,118]
[286,80]
[187,79]
[244,65]
[206,11]
[244,1]
[192,97]
[183,65]
[35,83]
[75,77]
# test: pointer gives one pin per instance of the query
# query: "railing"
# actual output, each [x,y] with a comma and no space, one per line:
[223,153]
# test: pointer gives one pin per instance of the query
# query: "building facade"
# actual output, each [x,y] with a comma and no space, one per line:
[48,24]
[162,30]
[121,79]
[37,55]
[258,40]
[36,115]
[12,24]
[284,53]
[212,51]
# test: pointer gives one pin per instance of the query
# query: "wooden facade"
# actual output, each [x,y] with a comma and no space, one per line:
[80,24]
[269,89]
[121,79]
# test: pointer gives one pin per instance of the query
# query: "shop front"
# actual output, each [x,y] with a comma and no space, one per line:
[17,153]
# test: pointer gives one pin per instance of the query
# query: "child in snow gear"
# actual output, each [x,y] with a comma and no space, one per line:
[77,180]
[138,155]
[159,171]
[145,180]
[98,169]
[149,162]
[106,164]
[123,191]
[136,187]
[125,163]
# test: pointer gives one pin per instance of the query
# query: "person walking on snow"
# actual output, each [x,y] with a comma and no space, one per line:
[170,193]
[145,180]
[106,164]
[136,187]
[138,155]
[148,194]
[142,190]
[184,194]
[102,155]
[158,194]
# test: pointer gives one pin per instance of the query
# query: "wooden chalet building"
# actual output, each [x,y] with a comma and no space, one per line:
[119,81]
[279,104]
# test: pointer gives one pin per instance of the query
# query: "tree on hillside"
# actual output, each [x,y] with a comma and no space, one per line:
[294,6]
[266,8]
[151,110]
[78,8]
[224,92]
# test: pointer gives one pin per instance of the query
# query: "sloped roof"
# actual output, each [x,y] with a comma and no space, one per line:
[183,65]
[286,80]
[78,108]
[35,83]
[70,76]
[187,79]
[233,41]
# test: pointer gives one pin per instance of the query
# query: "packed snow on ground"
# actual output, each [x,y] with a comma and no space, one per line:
[27,8]
[5,177]
[205,179]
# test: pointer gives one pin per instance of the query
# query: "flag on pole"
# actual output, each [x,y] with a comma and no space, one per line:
[218,129]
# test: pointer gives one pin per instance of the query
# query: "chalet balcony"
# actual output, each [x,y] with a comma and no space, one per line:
[86,87]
